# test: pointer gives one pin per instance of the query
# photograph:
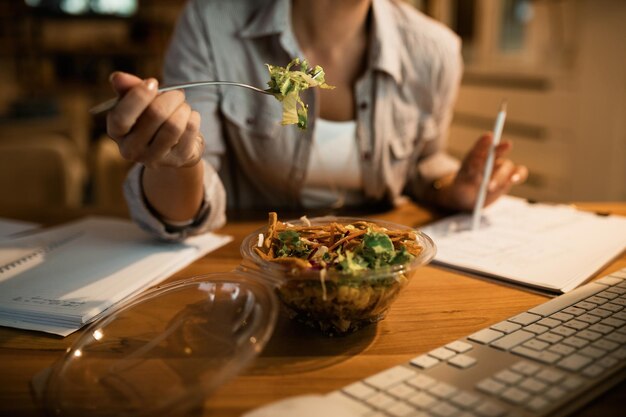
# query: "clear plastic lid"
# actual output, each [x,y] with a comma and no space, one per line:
[165,351]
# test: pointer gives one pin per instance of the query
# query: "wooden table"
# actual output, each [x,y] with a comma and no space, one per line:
[437,307]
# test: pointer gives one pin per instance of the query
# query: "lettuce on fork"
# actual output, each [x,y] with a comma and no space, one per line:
[286,84]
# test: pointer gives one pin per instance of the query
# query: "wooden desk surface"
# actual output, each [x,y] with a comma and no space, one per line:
[437,307]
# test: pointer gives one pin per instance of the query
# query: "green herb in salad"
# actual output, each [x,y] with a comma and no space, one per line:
[287,83]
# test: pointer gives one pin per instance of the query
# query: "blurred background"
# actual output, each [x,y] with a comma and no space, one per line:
[560,64]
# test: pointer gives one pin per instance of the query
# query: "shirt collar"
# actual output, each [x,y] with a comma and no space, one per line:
[386,44]
[275,18]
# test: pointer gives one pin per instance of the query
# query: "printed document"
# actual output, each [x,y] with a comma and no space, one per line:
[549,247]
[58,279]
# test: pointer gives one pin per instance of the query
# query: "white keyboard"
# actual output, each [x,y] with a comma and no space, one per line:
[549,360]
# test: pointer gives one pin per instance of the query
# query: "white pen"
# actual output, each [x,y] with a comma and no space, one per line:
[482,191]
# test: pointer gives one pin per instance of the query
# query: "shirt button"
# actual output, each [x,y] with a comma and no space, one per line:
[367,155]
[363,105]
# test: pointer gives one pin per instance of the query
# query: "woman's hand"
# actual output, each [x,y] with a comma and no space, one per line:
[460,191]
[157,130]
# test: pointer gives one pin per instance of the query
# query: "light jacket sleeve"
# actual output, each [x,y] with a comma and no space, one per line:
[189,57]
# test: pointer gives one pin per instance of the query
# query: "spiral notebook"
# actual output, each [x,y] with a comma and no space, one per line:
[56,280]
[548,247]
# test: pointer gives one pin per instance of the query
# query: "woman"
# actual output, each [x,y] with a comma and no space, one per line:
[379,134]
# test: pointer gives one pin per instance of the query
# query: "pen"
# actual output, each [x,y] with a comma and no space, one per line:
[482,191]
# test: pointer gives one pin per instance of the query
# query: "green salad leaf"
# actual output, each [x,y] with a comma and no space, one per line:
[287,83]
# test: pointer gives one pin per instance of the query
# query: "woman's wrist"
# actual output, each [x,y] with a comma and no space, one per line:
[174,193]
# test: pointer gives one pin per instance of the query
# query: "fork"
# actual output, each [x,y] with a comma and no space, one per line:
[109,104]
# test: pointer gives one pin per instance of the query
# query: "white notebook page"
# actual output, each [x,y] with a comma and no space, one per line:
[552,247]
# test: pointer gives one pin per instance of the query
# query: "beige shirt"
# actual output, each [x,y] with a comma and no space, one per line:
[404,107]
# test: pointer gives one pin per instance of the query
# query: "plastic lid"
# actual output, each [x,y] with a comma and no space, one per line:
[164,352]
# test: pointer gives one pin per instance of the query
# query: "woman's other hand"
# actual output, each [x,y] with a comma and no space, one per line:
[460,191]
[157,130]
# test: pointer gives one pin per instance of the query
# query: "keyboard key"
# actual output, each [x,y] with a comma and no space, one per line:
[443,409]
[513,339]
[442,353]
[389,377]
[442,390]
[605,344]
[424,361]
[536,344]
[462,361]
[572,382]
[381,400]
[612,307]
[459,346]
[489,409]
[597,300]
[562,349]
[526,368]
[549,322]
[400,410]
[601,328]
[544,356]
[600,312]
[506,327]
[514,395]
[464,399]
[422,400]
[537,404]
[422,381]
[607,294]
[586,305]
[525,318]
[593,371]
[607,362]
[589,335]
[616,337]
[555,393]
[614,322]
[536,328]
[562,316]
[359,390]
[551,376]
[575,341]
[574,362]
[508,377]
[532,385]
[563,331]
[576,324]
[490,386]
[402,391]
[485,336]
[592,352]
[550,337]
[588,318]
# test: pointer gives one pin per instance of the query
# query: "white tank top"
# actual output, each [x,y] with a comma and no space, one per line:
[333,176]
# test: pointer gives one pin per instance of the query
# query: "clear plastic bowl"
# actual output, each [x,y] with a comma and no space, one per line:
[338,303]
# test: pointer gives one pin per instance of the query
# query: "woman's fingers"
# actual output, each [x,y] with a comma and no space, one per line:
[156,118]
[474,162]
[505,175]
[122,118]
[189,149]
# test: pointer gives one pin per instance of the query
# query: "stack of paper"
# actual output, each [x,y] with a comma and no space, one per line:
[56,280]
[548,247]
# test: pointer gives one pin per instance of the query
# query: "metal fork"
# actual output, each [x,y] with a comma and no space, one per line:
[109,104]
